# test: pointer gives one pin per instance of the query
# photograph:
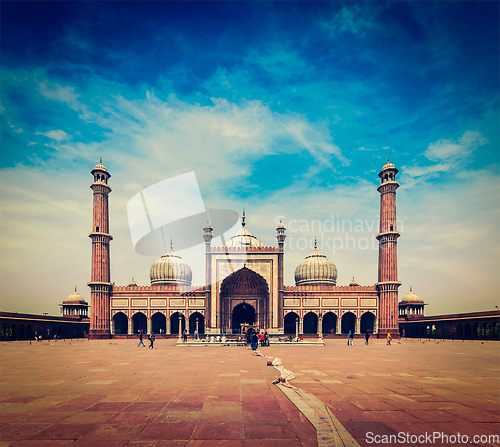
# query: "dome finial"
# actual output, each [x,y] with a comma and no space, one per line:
[100,159]
[315,242]
[410,289]
[387,159]
[75,288]
[171,244]
[243,218]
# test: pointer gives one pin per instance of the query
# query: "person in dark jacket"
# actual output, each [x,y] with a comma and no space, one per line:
[255,340]
[151,340]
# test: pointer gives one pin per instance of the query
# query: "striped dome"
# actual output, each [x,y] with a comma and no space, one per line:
[171,269]
[316,269]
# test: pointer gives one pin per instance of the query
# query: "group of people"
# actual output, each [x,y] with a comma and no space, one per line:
[151,338]
[255,338]
[350,338]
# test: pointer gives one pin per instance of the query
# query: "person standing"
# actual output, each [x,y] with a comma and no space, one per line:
[350,338]
[255,340]
[196,334]
[266,339]
[185,335]
[389,338]
[367,337]
[151,340]
[140,340]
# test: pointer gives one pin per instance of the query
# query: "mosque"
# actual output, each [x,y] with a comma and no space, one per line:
[248,290]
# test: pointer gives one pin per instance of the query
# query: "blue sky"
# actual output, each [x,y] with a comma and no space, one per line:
[288,109]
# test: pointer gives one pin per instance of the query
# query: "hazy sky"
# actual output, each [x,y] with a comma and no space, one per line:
[286,109]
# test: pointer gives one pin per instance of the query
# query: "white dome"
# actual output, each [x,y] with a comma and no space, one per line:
[171,269]
[410,297]
[316,269]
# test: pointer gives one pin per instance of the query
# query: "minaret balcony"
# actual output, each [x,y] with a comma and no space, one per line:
[388,236]
[388,186]
[97,236]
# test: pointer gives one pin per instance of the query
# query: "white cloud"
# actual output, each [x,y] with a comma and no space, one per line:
[450,156]
[57,93]
[56,135]
[450,150]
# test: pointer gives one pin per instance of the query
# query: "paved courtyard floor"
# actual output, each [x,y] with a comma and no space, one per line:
[112,393]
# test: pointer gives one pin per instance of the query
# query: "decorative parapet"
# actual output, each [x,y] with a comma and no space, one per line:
[244,250]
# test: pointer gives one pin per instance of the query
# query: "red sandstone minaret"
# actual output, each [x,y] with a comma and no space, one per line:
[100,285]
[280,235]
[388,283]
[207,236]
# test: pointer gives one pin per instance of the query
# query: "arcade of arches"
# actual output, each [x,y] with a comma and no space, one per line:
[329,323]
[467,326]
[158,323]
[17,326]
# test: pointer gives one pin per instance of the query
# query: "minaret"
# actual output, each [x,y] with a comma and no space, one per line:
[100,285]
[388,283]
[281,236]
[207,236]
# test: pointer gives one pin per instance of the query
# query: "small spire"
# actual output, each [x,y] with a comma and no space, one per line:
[171,244]
[315,242]
[100,160]
[243,218]
[387,159]
[410,289]
[75,288]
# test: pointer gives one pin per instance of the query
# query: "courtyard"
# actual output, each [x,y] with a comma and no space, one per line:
[112,393]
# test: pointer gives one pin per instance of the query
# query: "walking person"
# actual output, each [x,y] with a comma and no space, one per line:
[389,338]
[367,337]
[266,339]
[350,338]
[140,340]
[151,340]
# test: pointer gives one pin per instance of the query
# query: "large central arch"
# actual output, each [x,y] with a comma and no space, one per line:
[243,314]
[240,293]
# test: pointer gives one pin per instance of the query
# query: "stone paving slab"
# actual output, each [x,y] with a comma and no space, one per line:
[112,393]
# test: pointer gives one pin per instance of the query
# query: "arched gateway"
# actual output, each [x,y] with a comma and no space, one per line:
[244,301]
